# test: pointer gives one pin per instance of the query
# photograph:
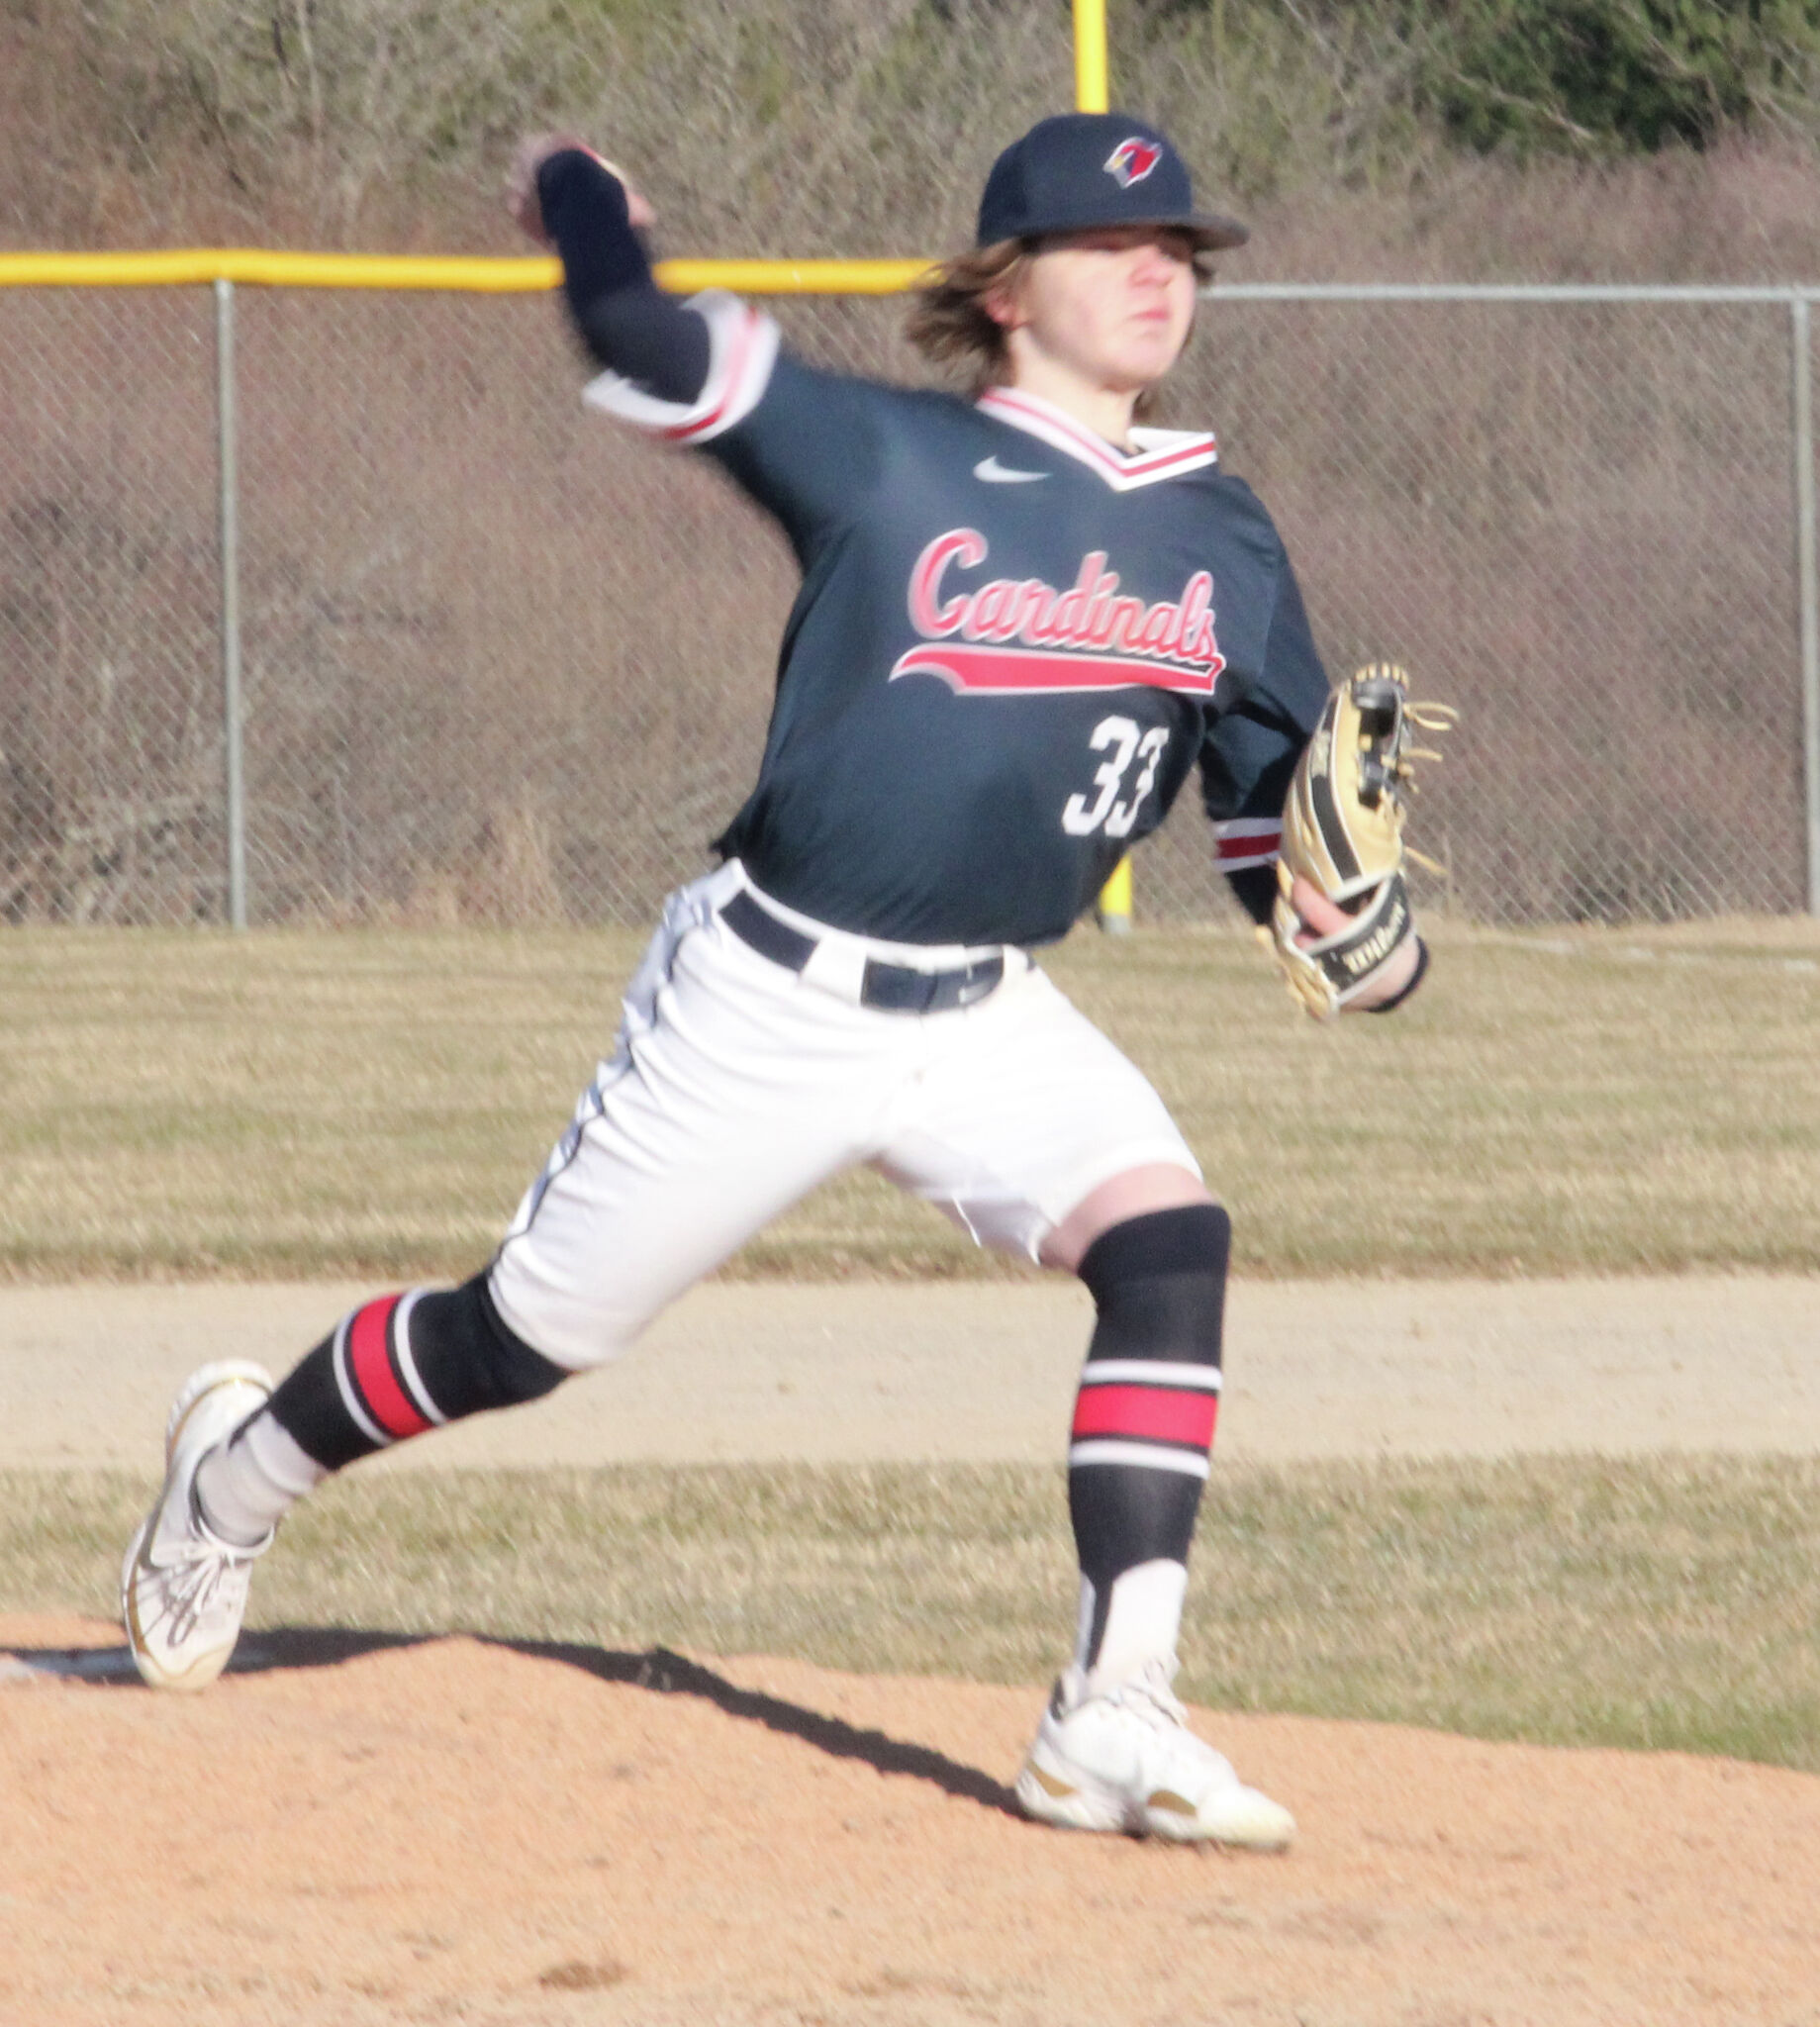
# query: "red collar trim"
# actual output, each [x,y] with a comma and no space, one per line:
[1161,454]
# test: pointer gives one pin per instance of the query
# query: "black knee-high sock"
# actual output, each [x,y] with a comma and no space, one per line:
[404,1364]
[394,1368]
[1143,1423]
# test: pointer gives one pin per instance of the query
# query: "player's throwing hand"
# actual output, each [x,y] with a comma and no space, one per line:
[522,199]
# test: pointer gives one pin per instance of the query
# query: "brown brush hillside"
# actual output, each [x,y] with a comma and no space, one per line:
[863,126]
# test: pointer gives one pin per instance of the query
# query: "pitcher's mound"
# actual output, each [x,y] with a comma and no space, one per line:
[352,1829]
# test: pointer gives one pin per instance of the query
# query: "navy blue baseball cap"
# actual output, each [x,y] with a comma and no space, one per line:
[1081,170]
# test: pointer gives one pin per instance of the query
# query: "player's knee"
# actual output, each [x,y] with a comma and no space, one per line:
[470,1359]
[1159,1285]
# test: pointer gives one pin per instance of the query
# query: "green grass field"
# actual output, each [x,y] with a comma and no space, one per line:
[1652,1604]
[188,1104]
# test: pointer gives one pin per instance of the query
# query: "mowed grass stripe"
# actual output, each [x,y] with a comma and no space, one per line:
[355,1102]
[1653,1603]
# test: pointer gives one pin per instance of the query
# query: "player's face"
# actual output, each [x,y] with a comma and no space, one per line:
[1112,307]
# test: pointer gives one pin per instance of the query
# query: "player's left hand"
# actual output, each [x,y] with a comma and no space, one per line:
[1341,927]
[521,198]
[1324,917]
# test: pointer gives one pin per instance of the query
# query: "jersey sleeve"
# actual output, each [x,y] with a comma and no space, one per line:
[1249,754]
[804,444]
[743,345]
[709,372]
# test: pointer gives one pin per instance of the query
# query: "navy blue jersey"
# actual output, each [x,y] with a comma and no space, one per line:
[1011,644]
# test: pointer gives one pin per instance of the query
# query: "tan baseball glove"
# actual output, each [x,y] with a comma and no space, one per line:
[1343,833]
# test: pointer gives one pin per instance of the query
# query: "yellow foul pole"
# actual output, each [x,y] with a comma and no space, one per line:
[1115,906]
[1090,56]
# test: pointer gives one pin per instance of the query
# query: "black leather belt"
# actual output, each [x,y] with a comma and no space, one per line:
[895,988]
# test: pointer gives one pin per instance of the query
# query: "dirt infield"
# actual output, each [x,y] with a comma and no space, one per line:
[461,1831]
[869,1371]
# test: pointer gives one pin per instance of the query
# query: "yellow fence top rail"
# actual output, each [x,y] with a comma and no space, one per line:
[263,268]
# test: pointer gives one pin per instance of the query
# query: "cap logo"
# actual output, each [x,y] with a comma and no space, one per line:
[1132,161]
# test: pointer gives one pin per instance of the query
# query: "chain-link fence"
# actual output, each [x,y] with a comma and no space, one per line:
[497,661]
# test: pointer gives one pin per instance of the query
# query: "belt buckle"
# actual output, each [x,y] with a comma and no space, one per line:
[977,980]
[896,988]
[903,988]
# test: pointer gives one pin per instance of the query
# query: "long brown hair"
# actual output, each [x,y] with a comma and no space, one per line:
[949,323]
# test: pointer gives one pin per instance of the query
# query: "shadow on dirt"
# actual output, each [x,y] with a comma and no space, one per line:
[656,1670]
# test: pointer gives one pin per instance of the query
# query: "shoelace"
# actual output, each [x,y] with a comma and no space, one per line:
[1151,1697]
[188,1585]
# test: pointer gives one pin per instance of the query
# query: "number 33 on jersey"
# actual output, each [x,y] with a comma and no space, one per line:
[1107,813]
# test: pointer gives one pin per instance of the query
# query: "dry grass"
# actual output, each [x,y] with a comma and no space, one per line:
[1651,1604]
[185,1103]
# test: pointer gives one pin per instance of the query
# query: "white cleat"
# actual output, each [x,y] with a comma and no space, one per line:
[182,1589]
[1119,1756]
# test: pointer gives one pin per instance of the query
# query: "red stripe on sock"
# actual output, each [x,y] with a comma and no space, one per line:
[1159,1413]
[371,1366]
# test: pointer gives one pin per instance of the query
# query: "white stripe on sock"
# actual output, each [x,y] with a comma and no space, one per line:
[350,1398]
[1150,1372]
[414,1379]
[1156,1456]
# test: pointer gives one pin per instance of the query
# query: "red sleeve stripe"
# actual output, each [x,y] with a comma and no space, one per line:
[1160,1414]
[1249,847]
[369,1361]
[706,426]
[743,351]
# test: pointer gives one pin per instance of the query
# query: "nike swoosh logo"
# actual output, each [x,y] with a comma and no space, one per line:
[994,473]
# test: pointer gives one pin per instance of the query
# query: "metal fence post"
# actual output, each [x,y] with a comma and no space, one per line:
[233,715]
[1802,387]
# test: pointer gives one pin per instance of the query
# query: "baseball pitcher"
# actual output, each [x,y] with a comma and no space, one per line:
[1026,619]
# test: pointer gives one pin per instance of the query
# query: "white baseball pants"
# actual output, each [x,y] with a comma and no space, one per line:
[737,1085]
